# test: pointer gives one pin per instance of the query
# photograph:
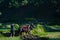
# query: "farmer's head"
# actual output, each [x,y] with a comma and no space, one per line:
[12,24]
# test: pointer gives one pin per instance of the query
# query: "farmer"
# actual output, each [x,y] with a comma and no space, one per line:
[12,30]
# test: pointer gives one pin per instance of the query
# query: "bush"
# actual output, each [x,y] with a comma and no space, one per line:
[16,26]
[38,30]
[8,26]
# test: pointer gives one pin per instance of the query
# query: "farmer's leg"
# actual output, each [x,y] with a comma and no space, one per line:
[12,33]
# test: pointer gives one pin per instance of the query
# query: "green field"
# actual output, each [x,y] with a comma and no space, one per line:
[10,38]
[39,30]
[50,35]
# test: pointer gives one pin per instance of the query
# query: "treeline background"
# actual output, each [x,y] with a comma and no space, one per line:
[42,10]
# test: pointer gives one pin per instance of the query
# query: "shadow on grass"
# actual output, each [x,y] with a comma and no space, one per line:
[34,37]
[6,34]
[40,38]
[54,38]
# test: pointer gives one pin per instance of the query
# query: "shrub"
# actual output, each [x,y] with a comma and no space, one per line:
[38,30]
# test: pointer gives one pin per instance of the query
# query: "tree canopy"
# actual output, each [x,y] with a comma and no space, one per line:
[16,10]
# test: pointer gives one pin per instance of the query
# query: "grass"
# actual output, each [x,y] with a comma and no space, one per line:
[38,30]
[53,34]
[10,38]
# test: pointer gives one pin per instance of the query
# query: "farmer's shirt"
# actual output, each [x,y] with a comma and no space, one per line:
[12,28]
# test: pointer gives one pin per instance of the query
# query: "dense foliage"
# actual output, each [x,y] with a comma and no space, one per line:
[17,10]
